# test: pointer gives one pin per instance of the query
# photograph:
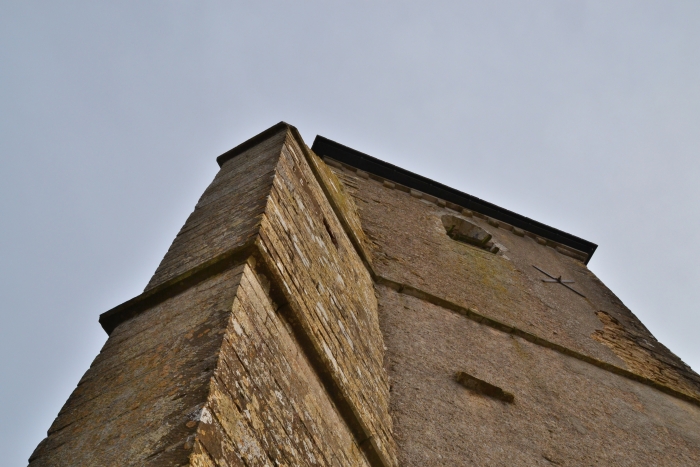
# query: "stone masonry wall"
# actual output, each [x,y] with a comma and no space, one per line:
[565,411]
[137,403]
[590,384]
[330,295]
[228,213]
[410,247]
[318,316]
[301,378]
[256,342]
[266,406]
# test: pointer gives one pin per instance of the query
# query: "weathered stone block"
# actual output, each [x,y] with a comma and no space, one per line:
[465,231]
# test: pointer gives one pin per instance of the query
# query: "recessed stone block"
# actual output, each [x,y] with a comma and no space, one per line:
[464,231]
[482,387]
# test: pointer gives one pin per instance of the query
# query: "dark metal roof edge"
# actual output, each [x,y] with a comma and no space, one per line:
[254,141]
[326,147]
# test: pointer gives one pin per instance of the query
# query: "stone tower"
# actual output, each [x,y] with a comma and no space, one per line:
[321,307]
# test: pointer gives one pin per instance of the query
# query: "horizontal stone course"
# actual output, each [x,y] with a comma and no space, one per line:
[564,409]
[410,247]
[144,387]
[314,314]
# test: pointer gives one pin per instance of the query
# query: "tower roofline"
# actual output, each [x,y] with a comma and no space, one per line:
[255,140]
[325,147]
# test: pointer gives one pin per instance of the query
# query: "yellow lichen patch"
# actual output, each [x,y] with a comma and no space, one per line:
[344,203]
[639,360]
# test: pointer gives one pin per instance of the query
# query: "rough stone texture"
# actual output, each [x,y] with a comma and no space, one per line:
[640,355]
[267,405]
[228,213]
[281,360]
[343,204]
[214,373]
[566,412]
[275,361]
[410,246]
[133,405]
[330,293]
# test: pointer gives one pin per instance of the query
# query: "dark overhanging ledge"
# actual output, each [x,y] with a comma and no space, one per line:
[254,141]
[326,147]
[112,318]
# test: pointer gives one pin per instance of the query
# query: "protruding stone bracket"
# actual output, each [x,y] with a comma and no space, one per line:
[443,195]
[482,387]
[467,232]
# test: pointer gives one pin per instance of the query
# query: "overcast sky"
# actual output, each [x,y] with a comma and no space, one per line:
[581,115]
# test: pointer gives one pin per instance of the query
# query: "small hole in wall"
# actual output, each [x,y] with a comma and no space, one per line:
[330,232]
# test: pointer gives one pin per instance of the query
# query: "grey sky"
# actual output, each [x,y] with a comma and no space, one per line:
[582,115]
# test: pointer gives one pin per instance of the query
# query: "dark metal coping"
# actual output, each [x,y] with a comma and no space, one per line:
[325,147]
[148,299]
[254,141]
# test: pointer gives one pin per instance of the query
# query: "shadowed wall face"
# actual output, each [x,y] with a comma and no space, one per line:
[450,308]
[331,300]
